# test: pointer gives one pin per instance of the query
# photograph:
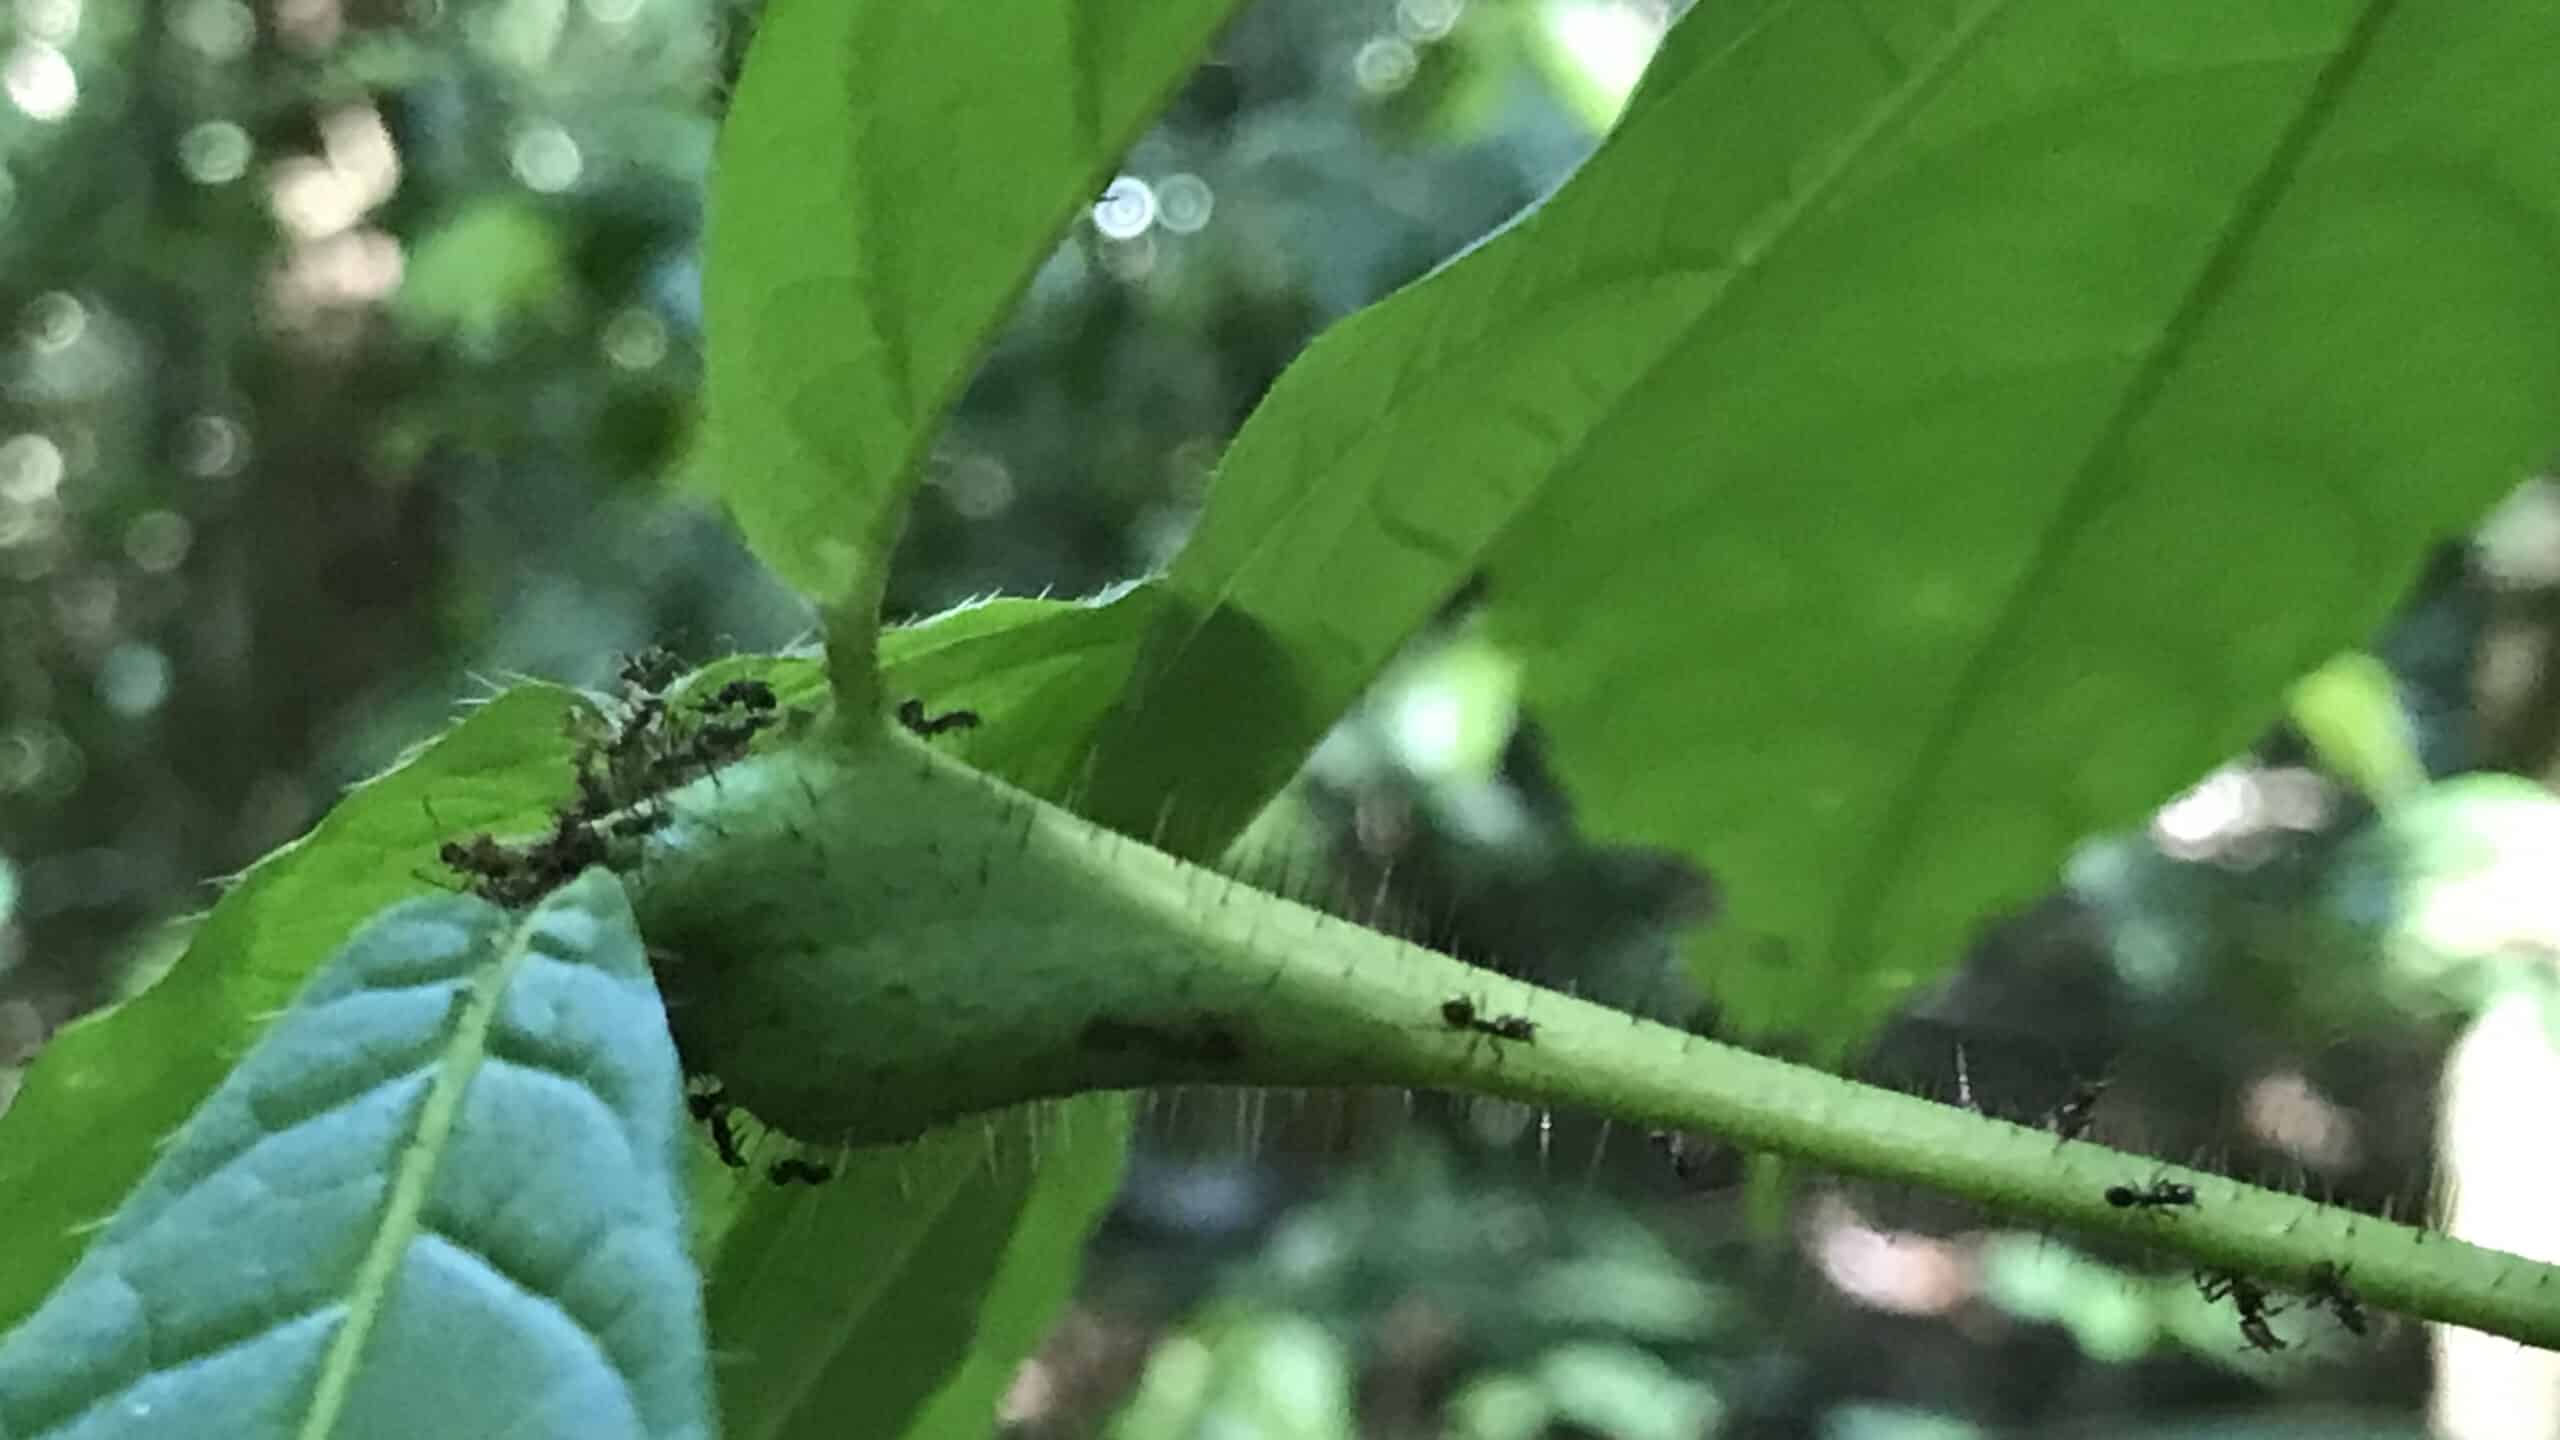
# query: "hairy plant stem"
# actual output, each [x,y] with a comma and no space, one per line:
[870,940]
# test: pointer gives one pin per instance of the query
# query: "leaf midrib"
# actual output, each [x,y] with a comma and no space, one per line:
[464,1050]
[1757,242]
[1863,901]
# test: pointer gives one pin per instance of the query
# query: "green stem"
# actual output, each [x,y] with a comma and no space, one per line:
[876,941]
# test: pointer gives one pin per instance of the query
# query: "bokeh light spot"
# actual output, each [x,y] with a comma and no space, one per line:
[210,446]
[546,159]
[133,679]
[1184,203]
[1385,64]
[217,29]
[1126,209]
[158,540]
[635,339]
[53,322]
[40,82]
[1428,19]
[31,468]
[52,21]
[215,152]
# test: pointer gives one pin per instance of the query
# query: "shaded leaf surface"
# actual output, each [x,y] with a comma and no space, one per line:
[106,1090]
[1923,435]
[889,175]
[438,1199]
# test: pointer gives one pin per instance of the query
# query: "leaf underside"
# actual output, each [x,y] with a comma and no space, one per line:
[438,1199]
[106,1090]
[1923,435]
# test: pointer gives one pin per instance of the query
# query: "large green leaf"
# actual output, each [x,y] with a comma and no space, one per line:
[889,176]
[906,1290]
[438,1199]
[108,1089]
[1925,433]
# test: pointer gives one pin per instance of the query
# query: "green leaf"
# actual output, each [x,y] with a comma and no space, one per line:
[1073,1182]
[889,176]
[1041,675]
[438,1199]
[1923,435]
[935,1269]
[951,1253]
[106,1090]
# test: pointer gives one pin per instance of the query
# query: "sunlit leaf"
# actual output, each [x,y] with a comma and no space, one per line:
[439,1198]
[1923,435]
[106,1090]
[889,176]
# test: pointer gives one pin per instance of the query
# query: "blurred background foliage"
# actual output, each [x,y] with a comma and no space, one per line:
[349,364]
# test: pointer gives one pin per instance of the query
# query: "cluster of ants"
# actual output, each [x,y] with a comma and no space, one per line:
[649,749]
[2328,1291]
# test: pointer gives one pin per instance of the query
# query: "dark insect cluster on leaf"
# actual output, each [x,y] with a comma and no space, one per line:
[619,770]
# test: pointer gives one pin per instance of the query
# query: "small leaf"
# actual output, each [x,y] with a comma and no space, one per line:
[438,1199]
[106,1090]
[889,176]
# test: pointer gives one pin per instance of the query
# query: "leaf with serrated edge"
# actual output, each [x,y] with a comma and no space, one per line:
[889,176]
[105,1090]
[1924,434]
[438,1199]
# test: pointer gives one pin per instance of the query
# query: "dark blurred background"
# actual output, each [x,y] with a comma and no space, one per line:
[350,356]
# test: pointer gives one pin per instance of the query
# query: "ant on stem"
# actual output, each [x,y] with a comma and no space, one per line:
[2158,1195]
[1459,1013]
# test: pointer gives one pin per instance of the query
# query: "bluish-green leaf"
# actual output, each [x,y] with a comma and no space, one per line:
[889,176]
[440,1198]
[1924,434]
[108,1089]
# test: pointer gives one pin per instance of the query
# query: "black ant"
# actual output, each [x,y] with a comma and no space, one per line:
[2329,1292]
[1459,1013]
[911,714]
[752,695]
[712,1109]
[2249,1301]
[793,1168]
[2158,1195]
[2069,1120]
